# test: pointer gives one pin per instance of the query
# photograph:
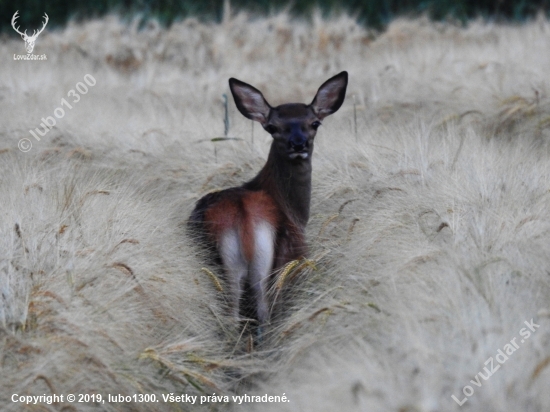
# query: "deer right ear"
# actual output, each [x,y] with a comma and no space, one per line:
[330,95]
[250,101]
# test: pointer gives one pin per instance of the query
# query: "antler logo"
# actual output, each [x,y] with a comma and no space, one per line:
[29,40]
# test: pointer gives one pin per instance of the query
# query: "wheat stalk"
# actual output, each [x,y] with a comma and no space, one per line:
[285,271]
[214,278]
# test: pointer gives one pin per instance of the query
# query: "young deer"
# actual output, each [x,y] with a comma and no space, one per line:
[258,227]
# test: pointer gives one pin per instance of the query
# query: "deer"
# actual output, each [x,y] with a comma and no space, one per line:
[29,40]
[257,228]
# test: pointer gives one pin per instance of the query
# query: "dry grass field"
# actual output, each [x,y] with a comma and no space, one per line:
[429,236]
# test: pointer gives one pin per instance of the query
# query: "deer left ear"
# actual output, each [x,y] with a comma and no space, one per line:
[250,101]
[330,95]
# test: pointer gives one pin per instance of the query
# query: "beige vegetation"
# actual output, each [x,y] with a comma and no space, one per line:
[429,232]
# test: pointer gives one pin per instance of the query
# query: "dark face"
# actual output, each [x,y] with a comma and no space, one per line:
[293,127]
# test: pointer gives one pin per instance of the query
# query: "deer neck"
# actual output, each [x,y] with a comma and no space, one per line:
[289,182]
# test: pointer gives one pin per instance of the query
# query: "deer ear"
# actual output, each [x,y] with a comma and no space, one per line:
[250,101]
[330,95]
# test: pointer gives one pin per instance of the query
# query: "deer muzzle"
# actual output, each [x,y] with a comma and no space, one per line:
[298,144]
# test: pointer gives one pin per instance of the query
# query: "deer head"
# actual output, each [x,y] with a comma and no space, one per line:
[293,125]
[29,40]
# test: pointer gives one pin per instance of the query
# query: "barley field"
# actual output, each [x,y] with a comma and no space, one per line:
[428,280]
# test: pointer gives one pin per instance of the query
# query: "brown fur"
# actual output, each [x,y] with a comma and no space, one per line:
[243,212]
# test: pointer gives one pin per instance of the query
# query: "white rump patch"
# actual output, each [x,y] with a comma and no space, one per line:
[235,266]
[260,267]
[257,271]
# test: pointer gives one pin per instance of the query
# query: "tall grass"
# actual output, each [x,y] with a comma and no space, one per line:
[429,231]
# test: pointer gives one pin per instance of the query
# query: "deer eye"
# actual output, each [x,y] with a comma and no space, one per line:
[270,129]
[315,125]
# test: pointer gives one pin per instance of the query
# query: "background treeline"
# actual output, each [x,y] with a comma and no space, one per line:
[373,13]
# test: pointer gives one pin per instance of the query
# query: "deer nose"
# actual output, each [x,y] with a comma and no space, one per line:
[298,141]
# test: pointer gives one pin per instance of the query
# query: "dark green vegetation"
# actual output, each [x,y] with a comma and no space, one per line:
[373,13]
